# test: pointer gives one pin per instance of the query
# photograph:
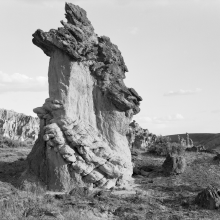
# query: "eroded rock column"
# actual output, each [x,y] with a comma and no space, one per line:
[84,121]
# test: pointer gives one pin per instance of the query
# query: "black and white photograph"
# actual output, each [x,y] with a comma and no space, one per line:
[109,109]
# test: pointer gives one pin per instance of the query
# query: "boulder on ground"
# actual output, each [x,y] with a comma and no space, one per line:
[217,157]
[209,198]
[174,164]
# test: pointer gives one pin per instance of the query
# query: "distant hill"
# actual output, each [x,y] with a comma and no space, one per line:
[196,137]
[209,140]
[212,143]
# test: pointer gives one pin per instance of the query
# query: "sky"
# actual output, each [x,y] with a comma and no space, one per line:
[171,49]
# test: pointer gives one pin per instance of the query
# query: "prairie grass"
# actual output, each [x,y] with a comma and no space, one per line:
[155,196]
[20,203]
[9,143]
[33,202]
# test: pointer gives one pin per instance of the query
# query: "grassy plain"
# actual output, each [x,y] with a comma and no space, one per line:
[154,196]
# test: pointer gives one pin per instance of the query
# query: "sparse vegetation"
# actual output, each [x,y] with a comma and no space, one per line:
[9,143]
[33,203]
[162,147]
[155,197]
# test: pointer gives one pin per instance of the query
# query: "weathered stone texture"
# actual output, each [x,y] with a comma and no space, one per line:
[86,117]
[209,198]
[18,126]
[138,137]
[174,164]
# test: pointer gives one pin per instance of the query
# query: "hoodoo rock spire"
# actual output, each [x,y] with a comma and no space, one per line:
[84,121]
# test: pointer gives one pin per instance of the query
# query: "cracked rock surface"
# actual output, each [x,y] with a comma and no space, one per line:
[83,123]
[17,126]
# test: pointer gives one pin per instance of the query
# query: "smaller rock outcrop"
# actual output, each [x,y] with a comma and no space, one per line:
[17,126]
[217,157]
[188,142]
[182,142]
[209,198]
[138,137]
[175,162]
[199,148]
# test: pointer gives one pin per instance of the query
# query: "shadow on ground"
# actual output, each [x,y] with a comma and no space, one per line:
[11,171]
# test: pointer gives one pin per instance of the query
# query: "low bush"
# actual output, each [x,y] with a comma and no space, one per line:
[9,143]
[162,147]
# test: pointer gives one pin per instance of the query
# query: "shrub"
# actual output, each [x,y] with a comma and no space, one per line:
[7,142]
[162,147]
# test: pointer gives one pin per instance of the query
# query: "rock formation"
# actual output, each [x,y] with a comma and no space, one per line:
[83,123]
[138,137]
[209,198]
[18,126]
[182,142]
[189,141]
[179,138]
[175,162]
[216,157]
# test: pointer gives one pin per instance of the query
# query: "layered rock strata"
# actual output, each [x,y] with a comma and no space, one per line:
[83,123]
[17,126]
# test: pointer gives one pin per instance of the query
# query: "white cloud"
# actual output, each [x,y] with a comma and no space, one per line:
[168,118]
[182,92]
[19,82]
[16,77]
[134,30]
[160,120]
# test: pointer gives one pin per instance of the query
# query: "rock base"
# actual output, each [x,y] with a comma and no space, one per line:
[209,198]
